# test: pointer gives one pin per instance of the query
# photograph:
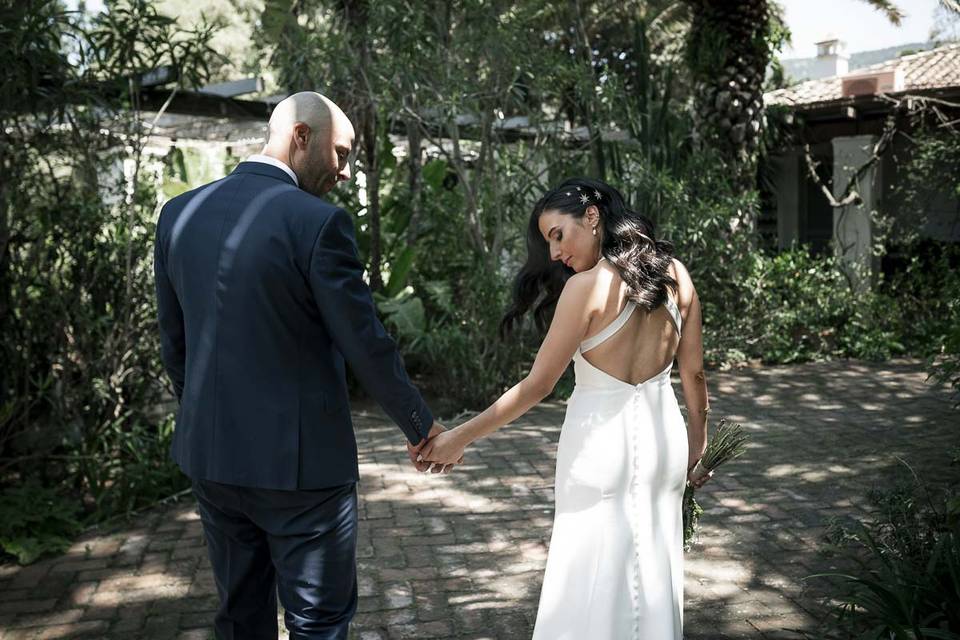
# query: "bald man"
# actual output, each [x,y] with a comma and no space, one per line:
[261,303]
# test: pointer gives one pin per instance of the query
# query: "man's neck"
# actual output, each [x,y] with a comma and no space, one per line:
[276,154]
[266,156]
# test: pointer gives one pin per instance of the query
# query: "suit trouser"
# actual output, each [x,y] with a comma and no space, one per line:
[300,544]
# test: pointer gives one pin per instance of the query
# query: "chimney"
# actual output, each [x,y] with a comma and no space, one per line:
[831,60]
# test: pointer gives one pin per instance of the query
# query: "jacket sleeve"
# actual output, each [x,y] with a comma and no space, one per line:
[173,350]
[347,308]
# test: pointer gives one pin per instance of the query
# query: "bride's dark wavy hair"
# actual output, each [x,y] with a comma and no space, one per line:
[628,243]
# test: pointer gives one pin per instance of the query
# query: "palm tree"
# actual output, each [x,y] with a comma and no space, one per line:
[728,49]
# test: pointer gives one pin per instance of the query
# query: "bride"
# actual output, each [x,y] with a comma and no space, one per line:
[623,310]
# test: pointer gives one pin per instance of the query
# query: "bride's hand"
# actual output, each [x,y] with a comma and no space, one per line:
[695,477]
[445,449]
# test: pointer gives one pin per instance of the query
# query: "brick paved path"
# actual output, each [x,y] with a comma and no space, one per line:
[462,556]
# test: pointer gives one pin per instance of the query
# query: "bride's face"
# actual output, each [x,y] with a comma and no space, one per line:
[571,239]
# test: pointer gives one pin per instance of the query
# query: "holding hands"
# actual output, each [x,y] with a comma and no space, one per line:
[446,449]
[439,452]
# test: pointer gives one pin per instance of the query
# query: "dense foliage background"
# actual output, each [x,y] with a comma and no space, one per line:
[466,113]
[83,435]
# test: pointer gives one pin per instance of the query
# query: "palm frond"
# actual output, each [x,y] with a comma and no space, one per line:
[889,9]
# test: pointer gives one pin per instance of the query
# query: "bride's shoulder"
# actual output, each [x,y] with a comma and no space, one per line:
[678,270]
[600,274]
[685,288]
[579,283]
[584,286]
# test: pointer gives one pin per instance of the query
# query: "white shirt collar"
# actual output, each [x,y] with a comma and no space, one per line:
[259,157]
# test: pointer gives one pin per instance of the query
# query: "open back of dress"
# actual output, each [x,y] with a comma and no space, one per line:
[637,345]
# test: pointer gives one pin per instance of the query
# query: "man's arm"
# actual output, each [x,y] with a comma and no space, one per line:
[345,303]
[173,349]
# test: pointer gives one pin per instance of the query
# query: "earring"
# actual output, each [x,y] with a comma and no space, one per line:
[594,231]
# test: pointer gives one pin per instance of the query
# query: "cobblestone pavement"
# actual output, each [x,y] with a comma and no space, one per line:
[462,556]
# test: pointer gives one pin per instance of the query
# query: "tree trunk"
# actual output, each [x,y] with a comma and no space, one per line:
[356,17]
[728,51]
[474,225]
[598,161]
[414,178]
[4,288]
[372,170]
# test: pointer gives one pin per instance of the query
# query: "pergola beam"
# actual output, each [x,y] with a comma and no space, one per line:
[204,104]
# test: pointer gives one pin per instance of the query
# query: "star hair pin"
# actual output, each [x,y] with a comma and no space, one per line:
[584,198]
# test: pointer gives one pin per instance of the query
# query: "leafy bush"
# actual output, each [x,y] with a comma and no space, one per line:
[36,520]
[133,468]
[454,347]
[908,586]
[927,295]
[800,307]
[946,366]
[468,358]
[81,380]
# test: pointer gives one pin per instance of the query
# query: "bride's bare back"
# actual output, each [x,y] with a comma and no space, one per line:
[643,347]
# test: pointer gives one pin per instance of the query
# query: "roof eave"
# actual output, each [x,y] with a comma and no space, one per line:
[839,108]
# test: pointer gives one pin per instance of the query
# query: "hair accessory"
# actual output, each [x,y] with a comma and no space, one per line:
[596,194]
[584,198]
[567,193]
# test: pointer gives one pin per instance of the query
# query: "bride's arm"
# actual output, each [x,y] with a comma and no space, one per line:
[690,362]
[570,322]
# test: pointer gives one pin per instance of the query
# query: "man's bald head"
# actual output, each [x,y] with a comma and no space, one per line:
[312,135]
[309,107]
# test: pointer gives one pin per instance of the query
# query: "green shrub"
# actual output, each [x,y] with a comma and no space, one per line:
[800,307]
[454,346]
[927,295]
[946,365]
[133,467]
[81,380]
[908,555]
[36,520]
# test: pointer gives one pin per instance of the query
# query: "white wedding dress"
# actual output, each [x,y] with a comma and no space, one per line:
[615,565]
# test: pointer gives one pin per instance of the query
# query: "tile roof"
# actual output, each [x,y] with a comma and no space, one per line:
[933,69]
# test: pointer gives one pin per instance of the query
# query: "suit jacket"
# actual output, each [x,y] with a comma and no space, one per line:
[260,301]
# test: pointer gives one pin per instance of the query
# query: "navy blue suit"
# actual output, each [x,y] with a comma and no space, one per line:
[261,302]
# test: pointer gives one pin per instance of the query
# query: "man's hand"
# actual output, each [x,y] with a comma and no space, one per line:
[446,449]
[414,452]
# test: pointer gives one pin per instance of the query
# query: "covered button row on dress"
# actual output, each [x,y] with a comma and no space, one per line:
[634,490]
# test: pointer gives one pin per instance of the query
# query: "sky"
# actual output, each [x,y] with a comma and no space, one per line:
[861,26]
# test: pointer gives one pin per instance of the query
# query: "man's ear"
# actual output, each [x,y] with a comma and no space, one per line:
[301,135]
